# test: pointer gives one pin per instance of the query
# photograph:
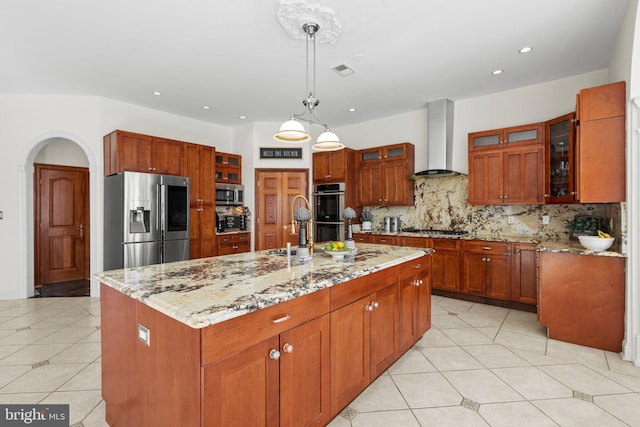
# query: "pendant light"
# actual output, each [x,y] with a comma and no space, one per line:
[292,130]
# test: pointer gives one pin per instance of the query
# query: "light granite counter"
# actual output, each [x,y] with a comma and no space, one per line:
[205,291]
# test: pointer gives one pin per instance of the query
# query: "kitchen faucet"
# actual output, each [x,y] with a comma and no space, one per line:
[293,221]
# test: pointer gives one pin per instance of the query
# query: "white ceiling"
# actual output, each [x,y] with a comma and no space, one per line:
[237,58]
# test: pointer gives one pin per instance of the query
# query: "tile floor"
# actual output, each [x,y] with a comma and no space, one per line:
[478,366]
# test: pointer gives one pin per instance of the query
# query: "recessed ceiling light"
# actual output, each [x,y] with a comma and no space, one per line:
[496,72]
[206,107]
[157,93]
[243,117]
[352,109]
[526,49]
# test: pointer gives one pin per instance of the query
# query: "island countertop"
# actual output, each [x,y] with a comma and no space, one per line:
[205,291]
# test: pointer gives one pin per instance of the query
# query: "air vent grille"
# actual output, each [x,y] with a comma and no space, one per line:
[343,69]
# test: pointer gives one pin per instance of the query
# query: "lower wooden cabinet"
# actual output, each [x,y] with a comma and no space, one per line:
[362,237]
[487,269]
[382,239]
[523,278]
[233,243]
[447,265]
[415,301]
[581,299]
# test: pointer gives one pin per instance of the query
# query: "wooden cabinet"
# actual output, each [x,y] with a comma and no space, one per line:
[383,175]
[507,166]
[601,144]
[523,279]
[334,166]
[447,265]
[233,243]
[414,289]
[362,237]
[199,167]
[228,168]
[559,165]
[128,151]
[382,239]
[487,269]
[414,241]
[531,134]
[581,299]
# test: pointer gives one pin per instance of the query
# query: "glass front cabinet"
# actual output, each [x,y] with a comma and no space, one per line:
[560,164]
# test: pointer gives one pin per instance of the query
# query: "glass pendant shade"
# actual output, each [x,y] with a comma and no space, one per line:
[328,141]
[292,131]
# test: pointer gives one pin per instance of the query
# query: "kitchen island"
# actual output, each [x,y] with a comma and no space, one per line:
[257,338]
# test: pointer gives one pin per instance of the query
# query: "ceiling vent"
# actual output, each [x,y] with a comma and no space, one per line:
[343,69]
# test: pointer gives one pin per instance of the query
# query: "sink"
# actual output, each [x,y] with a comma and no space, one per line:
[281,252]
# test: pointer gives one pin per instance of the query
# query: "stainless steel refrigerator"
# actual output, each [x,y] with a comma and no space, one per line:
[146,219]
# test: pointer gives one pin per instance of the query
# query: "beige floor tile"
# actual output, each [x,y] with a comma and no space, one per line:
[7,350]
[576,413]
[467,336]
[582,379]
[90,378]
[518,340]
[434,338]
[537,358]
[455,305]
[96,418]
[521,414]
[481,386]
[77,353]
[497,313]
[385,419]
[495,356]
[450,358]
[11,373]
[426,390]
[413,361]
[32,354]
[381,395]
[489,331]
[532,383]
[44,378]
[453,416]
[525,327]
[26,336]
[22,398]
[615,362]
[447,321]
[81,403]
[623,406]
[629,381]
[339,421]
[577,353]
[478,320]
[67,335]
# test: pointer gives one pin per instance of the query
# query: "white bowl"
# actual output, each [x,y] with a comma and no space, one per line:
[595,243]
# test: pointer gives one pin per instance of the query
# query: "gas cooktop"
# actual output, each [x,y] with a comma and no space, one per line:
[432,231]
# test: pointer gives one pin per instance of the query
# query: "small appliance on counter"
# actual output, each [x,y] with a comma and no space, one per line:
[229,194]
[219,223]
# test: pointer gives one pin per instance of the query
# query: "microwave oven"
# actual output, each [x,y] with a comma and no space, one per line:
[229,194]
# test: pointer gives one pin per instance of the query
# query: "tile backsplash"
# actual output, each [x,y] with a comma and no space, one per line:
[442,203]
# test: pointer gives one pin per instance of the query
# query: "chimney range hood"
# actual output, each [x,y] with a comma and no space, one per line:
[440,140]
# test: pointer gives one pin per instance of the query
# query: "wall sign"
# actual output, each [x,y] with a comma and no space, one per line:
[280,153]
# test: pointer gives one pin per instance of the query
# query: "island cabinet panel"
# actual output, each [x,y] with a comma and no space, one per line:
[415,301]
[581,299]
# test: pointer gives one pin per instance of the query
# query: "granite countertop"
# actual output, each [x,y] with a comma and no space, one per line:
[543,245]
[224,233]
[205,291]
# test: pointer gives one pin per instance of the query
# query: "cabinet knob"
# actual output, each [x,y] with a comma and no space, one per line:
[287,348]
[327,176]
[484,260]
[368,307]
[374,304]
[274,354]
[488,259]
[416,283]
[417,266]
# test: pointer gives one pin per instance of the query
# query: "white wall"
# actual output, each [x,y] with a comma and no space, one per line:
[29,121]
[62,152]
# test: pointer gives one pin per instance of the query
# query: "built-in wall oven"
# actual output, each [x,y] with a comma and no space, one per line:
[329,203]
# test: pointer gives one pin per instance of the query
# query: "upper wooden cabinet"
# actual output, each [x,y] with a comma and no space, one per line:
[333,166]
[515,136]
[559,168]
[228,168]
[601,160]
[198,166]
[132,152]
[383,175]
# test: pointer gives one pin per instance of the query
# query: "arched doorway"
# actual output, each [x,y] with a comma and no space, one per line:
[26,207]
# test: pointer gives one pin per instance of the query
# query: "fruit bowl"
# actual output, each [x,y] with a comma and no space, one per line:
[339,254]
[595,243]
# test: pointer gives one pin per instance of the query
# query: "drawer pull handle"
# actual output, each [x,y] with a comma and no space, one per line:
[282,319]
[486,248]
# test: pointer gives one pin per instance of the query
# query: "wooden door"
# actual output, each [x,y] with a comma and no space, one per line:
[485,178]
[499,276]
[62,224]
[475,274]
[243,390]
[304,374]
[384,329]
[523,175]
[370,184]
[276,190]
[523,282]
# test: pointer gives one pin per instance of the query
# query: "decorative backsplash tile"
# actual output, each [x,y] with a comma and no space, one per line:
[442,203]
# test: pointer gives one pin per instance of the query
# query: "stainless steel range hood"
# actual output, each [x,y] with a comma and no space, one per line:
[440,140]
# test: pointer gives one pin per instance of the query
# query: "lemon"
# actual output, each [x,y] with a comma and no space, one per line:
[340,245]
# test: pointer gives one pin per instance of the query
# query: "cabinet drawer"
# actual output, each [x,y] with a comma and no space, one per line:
[488,247]
[345,293]
[229,337]
[446,244]
[383,240]
[415,266]
[362,238]
[415,242]
[243,237]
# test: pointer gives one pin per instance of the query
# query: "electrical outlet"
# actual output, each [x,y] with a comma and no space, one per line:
[144,335]
[510,219]
[1,215]
[545,219]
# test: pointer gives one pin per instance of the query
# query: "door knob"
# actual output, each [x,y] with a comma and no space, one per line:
[287,348]
[274,354]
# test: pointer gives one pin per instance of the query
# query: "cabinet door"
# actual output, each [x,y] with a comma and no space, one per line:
[475,274]
[407,322]
[485,178]
[560,159]
[321,167]
[370,184]
[243,390]
[207,233]
[304,374]
[384,329]
[194,232]
[523,175]
[166,156]
[523,282]
[446,265]
[423,295]
[602,102]
[350,353]
[524,135]
[370,155]
[486,140]
[498,275]
[394,152]
[330,166]
[397,187]
[136,153]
